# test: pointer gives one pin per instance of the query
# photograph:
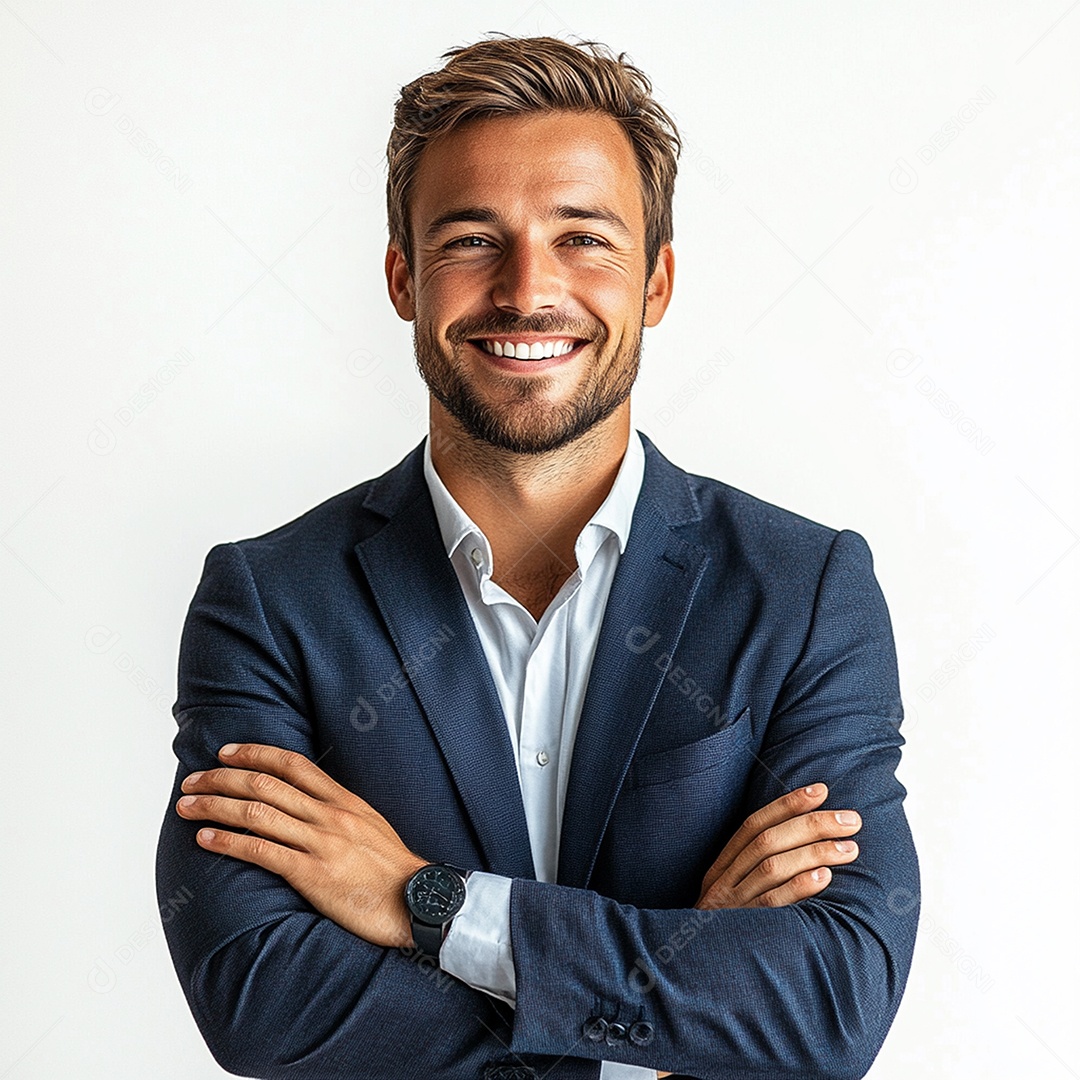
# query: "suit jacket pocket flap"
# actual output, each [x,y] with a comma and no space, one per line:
[663,765]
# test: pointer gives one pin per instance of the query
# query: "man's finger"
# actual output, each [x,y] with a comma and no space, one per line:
[287,765]
[773,872]
[249,816]
[779,810]
[256,786]
[798,888]
[253,849]
[789,836]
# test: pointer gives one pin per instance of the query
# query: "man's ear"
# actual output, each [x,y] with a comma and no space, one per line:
[659,286]
[399,283]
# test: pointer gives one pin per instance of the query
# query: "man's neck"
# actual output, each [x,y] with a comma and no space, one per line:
[531,507]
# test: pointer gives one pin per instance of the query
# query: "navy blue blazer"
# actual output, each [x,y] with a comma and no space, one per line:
[745,651]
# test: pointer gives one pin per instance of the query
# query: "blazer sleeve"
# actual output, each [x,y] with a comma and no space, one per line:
[277,989]
[804,991]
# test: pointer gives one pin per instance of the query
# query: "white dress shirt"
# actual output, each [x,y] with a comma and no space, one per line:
[541,671]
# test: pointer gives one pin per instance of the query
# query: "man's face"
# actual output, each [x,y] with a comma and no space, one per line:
[528,287]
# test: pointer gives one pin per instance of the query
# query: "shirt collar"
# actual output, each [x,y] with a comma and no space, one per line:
[613,516]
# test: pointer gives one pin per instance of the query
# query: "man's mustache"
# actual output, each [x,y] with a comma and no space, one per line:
[501,325]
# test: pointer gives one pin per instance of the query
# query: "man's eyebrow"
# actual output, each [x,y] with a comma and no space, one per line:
[594,213]
[486,215]
[461,214]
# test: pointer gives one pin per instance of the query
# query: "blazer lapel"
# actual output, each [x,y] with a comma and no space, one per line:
[651,593]
[417,592]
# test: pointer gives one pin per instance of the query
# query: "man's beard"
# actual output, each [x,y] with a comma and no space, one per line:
[528,423]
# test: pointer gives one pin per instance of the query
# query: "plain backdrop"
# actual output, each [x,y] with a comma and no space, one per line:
[874,325]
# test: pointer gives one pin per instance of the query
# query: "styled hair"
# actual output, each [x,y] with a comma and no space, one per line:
[508,75]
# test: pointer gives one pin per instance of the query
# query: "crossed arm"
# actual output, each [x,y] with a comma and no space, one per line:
[347,861]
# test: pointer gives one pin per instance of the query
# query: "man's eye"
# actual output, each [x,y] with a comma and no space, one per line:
[585,241]
[467,241]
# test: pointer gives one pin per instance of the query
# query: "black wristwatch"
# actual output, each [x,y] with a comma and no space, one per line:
[434,895]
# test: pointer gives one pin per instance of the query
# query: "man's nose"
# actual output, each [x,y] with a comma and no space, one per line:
[529,279]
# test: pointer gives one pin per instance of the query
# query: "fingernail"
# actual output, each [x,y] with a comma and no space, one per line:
[229,748]
[847,817]
[193,778]
[206,834]
[820,874]
[812,790]
[844,845]
[187,800]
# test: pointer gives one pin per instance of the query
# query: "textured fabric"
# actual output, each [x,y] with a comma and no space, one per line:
[540,670]
[744,651]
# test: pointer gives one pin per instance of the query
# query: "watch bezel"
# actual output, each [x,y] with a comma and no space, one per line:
[443,872]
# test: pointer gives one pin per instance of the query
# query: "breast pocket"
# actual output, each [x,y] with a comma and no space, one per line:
[672,817]
[663,766]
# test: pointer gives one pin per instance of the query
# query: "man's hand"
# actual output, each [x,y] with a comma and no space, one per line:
[334,849]
[782,853]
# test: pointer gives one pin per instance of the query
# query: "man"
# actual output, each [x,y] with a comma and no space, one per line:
[514,761]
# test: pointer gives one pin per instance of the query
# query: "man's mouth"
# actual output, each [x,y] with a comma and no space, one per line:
[536,349]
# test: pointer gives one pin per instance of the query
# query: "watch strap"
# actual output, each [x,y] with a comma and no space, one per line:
[428,938]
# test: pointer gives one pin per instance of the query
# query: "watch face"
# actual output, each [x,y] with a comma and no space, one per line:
[435,894]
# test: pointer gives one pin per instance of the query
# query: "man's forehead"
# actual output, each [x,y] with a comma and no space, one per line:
[548,160]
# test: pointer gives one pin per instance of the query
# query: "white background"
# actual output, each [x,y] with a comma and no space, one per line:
[874,325]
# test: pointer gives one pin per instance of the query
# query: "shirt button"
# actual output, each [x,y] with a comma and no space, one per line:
[477,557]
[542,759]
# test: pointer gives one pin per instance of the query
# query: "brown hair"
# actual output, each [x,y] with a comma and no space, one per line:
[507,75]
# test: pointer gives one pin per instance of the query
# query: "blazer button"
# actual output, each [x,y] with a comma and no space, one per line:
[595,1028]
[640,1033]
[615,1033]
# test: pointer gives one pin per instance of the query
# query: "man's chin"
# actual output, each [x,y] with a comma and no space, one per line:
[540,438]
[539,428]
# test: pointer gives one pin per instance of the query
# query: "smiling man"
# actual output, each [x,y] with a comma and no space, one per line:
[537,755]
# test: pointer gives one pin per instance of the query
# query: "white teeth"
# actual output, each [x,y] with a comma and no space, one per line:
[538,350]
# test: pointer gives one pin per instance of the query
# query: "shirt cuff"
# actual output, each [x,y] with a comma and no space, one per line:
[616,1070]
[477,949]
